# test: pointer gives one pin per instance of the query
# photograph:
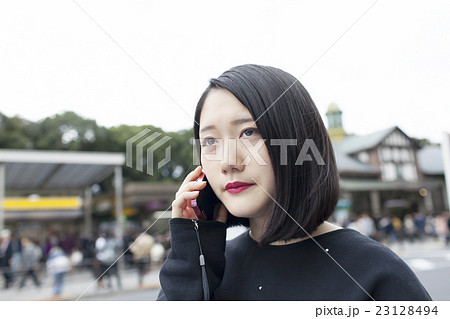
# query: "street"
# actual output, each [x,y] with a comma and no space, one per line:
[430,263]
[433,270]
[139,295]
[429,260]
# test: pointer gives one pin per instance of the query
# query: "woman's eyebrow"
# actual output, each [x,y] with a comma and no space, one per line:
[235,122]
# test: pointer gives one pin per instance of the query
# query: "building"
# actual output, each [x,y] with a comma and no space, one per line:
[386,172]
[43,191]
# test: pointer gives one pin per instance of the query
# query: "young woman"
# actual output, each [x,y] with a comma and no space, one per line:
[270,165]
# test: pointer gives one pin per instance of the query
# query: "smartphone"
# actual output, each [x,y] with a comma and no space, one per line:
[205,202]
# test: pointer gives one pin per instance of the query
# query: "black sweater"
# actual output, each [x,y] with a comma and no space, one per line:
[347,266]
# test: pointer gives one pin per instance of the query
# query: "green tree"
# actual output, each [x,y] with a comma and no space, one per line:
[15,132]
[180,147]
[69,131]
[421,142]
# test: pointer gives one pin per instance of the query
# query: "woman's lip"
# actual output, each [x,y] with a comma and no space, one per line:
[236,185]
[235,190]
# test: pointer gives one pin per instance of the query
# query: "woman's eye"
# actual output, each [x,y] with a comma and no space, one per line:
[208,141]
[249,132]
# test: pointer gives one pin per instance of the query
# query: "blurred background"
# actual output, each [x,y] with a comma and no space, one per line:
[84,85]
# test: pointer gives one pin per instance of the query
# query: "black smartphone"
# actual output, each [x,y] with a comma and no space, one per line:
[205,202]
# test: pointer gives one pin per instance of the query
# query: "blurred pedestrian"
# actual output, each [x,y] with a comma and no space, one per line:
[108,251]
[364,224]
[409,227]
[67,242]
[420,222]
[141,250]
[398,227]
[51,241]
[16,255]
[6,254]
[87,248]
[28,262]
[128,239]
[157,254]
[441,224]
[387,228]
[76,257]
[447,238]
[58,265]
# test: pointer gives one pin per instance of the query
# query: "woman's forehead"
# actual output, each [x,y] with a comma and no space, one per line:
[222,107]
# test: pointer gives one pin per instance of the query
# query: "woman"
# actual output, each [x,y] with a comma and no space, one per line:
[269,161]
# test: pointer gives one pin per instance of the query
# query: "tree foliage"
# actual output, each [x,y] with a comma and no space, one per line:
[15,132]
[71,132]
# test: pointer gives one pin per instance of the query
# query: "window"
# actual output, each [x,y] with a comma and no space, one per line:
[363,157]
[386,151]
[405,155]
[389,172]
[409,172]
[396,154]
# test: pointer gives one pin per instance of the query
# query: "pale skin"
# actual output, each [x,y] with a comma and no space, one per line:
[225,119]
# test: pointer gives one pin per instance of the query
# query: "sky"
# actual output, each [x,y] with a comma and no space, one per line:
[384,63]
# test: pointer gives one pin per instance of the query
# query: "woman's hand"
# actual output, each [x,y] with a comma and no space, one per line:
[189,189]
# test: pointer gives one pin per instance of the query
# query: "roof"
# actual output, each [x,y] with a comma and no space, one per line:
[347,164]
[430,160]
[333,108]
[355,143]
[55,170]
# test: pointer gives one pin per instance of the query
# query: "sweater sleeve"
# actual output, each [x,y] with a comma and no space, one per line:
[399,283]
[180,275]
[382,272]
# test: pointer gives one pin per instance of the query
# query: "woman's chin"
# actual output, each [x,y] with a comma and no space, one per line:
[239,213]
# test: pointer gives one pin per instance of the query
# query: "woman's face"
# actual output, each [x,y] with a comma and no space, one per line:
[233,151]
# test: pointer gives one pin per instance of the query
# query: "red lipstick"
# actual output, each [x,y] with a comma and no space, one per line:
[237,187]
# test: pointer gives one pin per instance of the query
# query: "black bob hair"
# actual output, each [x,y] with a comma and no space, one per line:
[308,192]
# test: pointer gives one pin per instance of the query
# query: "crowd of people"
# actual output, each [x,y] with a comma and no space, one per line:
[23,258]
[412,227]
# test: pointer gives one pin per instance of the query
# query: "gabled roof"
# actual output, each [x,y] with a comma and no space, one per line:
[356,143]
[429,157]
[348,164]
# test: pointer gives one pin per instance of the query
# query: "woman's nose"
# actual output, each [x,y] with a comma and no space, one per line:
[232,156]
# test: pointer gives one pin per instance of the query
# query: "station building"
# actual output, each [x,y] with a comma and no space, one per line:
[386,172]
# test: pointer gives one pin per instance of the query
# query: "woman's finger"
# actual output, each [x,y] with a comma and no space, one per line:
[189,212]
[192,176]
[190,187]
[181,203]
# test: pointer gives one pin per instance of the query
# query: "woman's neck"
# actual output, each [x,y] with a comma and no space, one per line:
[257,228]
